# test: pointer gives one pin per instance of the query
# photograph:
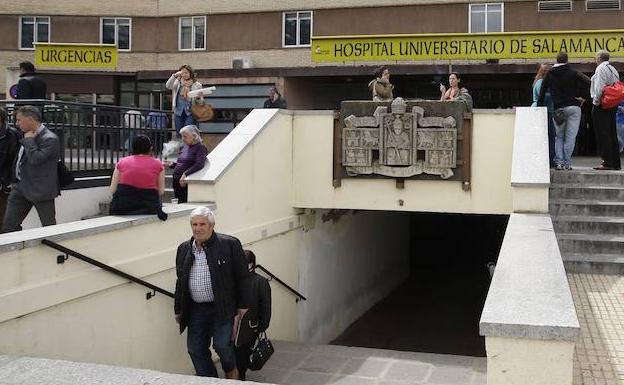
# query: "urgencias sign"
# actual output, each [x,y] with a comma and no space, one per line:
[466,46]
[99,56]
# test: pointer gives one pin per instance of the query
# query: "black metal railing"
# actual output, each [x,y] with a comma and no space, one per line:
[96,136]
[155,289]
[61,259]
[274,277]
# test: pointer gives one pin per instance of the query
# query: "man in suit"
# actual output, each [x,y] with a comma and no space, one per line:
[212,287]
[35,172]
[30,86]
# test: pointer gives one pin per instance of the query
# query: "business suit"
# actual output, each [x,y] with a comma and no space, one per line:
[37,183]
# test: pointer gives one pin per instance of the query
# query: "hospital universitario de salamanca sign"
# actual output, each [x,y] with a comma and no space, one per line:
[467,46]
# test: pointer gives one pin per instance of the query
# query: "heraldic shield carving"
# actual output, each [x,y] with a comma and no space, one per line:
[400,144]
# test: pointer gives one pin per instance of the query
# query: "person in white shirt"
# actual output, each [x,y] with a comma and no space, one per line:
[604,119]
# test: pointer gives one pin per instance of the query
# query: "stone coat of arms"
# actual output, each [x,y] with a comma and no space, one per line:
[399,143]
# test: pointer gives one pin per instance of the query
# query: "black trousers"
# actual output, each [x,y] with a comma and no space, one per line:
[242,358]
[606,136]
[178,191]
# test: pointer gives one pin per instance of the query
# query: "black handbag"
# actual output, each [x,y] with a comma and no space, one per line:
[64,175]
[261,352]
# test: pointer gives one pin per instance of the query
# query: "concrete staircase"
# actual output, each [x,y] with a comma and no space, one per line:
[587,209]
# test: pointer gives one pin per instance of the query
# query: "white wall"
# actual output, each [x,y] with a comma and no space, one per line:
[348,266]
[73,205]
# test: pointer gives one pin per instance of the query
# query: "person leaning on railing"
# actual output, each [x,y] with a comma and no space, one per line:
[138,182]
[191,159]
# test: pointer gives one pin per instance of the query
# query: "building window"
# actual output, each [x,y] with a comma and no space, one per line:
[33,29]
[192,33]
[116,31]
[297,29]
[486,18]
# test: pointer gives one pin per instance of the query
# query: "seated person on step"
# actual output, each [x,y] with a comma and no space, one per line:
[138,182]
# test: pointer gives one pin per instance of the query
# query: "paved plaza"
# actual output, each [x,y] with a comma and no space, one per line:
[304,364]
[599,301]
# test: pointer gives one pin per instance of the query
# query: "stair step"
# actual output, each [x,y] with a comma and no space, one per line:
[590,243]
[589,224]
[580,191]
[560,207]
[602,178]
[594,263]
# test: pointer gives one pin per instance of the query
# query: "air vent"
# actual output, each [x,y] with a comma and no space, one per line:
[554,6]
[601,5]
[242,63]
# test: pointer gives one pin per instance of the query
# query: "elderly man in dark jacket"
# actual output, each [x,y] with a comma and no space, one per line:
[212,287]
[36,180]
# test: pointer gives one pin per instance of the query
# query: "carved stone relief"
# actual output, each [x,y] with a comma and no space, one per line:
[399,143]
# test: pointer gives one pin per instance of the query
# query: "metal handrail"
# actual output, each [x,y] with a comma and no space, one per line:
[106,267]
[273,276]
[110,269]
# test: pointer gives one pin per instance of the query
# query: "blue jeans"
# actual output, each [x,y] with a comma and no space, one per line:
[565,135]
[203,327]
[183,120]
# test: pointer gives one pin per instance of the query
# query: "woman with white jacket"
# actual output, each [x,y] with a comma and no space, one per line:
[181,83]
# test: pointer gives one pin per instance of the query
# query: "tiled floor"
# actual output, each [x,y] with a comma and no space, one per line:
[599,301]
[303,364]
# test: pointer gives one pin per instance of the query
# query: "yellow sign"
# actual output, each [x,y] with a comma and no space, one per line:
[466,46]
[100,56]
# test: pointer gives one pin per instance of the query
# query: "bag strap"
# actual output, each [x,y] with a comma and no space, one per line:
[614,73]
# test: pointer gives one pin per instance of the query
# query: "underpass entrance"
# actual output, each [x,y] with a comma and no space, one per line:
[437,309]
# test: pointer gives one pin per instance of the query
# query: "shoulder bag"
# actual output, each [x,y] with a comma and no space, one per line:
[65,176]
[202,112]
[612,95]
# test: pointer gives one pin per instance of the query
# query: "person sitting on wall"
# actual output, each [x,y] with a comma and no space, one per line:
[138,182]
[381,87]
[275,99]
[455,92]
[257,319]
[191,159]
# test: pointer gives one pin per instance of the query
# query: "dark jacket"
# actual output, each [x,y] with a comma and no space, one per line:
[130,200]
[564,84]
[260,306]
[279,103]
[228,274]
[9,145]
[30,86]
[38,167]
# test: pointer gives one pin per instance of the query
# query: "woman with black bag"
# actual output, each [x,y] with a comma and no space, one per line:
[256,320]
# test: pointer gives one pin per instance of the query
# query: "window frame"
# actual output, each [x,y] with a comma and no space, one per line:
[35,30]
[587,9]
[502,5]
[117,32]
[298,45]
[192,33]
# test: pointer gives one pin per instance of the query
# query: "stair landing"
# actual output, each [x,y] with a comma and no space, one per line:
[303,364]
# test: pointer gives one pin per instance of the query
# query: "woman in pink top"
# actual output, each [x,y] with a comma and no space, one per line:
[138,182]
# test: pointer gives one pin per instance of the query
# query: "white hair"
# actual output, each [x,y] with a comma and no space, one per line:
[203,212]
[194,131]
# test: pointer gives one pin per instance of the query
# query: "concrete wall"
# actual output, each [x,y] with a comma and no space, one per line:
[73,205]
[491,169]
[347,266]
[78,312]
